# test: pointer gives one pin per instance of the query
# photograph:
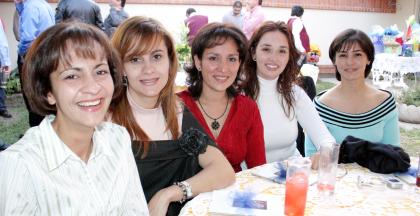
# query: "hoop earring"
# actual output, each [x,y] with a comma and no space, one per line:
[125,80]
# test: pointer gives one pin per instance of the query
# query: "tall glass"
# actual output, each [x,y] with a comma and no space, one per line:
[297,182]
[327,170]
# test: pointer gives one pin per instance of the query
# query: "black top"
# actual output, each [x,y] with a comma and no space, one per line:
[170,161]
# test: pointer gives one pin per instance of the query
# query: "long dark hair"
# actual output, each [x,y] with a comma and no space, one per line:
[286,79]
[212,35]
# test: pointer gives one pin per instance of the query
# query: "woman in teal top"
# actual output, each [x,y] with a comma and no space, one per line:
[353,107]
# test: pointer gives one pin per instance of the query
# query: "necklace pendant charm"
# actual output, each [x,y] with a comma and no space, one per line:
[215,125]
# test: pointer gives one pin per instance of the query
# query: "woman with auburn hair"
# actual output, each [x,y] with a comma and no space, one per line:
[270,79]
[213,95]
[73,163]
[175,159]
[353,107]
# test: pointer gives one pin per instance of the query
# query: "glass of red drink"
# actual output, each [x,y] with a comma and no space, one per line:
[297,182]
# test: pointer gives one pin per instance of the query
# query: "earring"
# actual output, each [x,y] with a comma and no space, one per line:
[255,59]
[125,80]
[199,69]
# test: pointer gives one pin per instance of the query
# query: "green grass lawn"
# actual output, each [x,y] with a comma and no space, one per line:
[10,129]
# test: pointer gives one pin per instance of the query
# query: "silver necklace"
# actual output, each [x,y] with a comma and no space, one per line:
[215,124]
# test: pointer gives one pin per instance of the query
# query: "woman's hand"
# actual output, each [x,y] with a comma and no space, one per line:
[158,205]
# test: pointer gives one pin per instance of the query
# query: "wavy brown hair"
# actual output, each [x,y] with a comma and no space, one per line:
[211,35]
[137,36]
[286,79]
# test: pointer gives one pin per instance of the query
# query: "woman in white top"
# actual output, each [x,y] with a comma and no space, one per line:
[73,163]
[271,73]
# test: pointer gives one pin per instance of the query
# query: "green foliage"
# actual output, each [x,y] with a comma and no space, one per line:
[10,129]
[182,48]
[411,96]
[183,51]
[13,83]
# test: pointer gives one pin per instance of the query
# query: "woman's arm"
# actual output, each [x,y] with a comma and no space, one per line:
[391,130]
[217,173]
[310,120]
[255,152]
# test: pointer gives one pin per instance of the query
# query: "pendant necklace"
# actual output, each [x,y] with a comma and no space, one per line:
[215,124]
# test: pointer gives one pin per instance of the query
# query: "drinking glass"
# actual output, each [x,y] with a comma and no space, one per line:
[297,181]
[327,170]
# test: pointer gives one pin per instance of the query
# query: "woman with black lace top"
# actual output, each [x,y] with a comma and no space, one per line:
[175,159]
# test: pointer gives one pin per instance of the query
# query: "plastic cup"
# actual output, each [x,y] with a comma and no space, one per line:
[327,169]
[297,182]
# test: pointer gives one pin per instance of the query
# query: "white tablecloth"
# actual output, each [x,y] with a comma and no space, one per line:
[349,198]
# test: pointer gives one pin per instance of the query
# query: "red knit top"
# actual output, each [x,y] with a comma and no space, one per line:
[242,135]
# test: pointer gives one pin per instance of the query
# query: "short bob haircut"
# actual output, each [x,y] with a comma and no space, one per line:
[286,79]
[345,41]
[211,35]
[51,49]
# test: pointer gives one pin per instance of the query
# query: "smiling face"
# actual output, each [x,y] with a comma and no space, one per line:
[237,9]
[81,91]
[351,62]
[271,55]
[148,74]
[219,66]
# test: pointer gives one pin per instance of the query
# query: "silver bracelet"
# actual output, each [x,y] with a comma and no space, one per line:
[184,191]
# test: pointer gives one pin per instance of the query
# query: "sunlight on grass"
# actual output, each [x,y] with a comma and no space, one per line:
[410,141]
[322,86]
[10,129]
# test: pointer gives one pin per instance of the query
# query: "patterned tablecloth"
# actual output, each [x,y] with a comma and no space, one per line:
[371,198]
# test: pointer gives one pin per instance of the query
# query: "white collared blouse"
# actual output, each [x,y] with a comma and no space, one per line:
[40,175]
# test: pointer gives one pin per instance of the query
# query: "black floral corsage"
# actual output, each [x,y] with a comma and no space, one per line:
[194,141]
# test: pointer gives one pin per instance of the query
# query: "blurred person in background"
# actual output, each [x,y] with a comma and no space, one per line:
[253,17]
[86,11]
[235,16]
[194,22]
[116,16]
[4,71]
[34,17]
